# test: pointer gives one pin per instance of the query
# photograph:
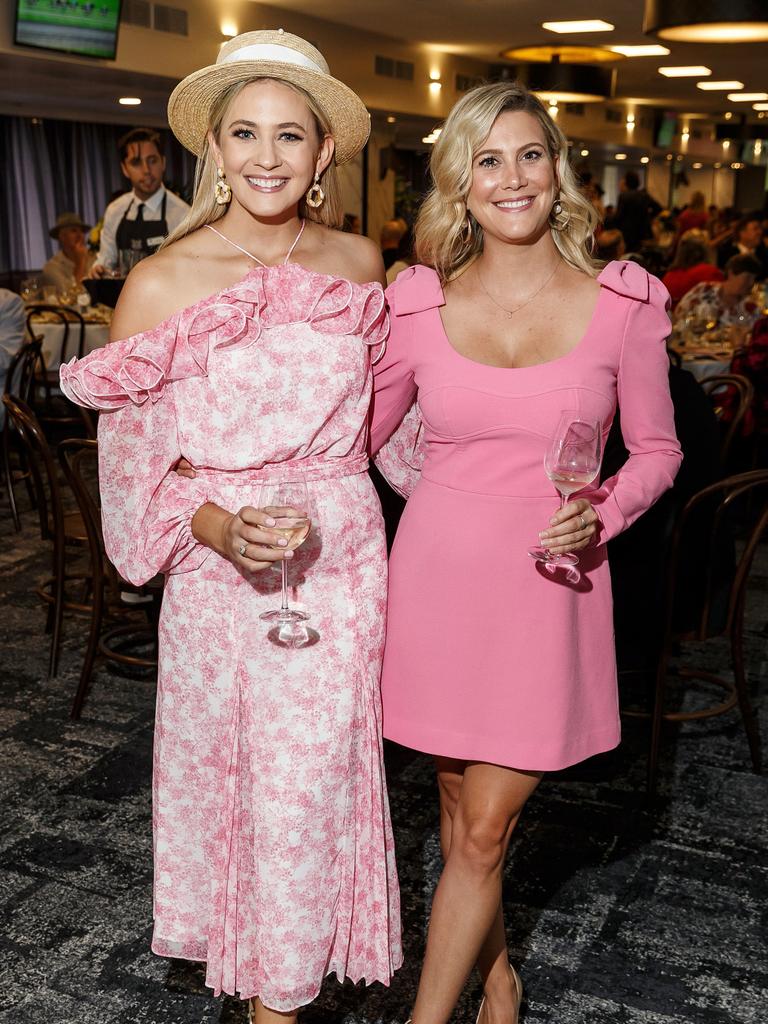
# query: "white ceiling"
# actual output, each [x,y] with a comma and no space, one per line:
[482,28]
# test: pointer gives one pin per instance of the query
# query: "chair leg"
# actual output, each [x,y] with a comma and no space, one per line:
[656,726]
[748,716]
[97,617]
[8,474]
[58,611]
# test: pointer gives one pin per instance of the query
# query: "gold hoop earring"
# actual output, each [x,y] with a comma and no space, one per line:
[315,196]
[223,191]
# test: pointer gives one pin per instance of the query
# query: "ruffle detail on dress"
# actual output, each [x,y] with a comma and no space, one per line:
[138,368]
[626,278]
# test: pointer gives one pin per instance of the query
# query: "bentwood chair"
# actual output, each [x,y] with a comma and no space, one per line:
[732,397]
[54,409]
[19,382]
[64,529]
[79,460]
[714,517]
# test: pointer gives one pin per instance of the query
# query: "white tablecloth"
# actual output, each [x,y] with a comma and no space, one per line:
[96,336]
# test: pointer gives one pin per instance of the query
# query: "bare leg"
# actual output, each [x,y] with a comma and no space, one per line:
[261,1015]
[492,962]
[466,907]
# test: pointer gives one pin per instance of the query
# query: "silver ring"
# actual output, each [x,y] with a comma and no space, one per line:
[242,549]
[581,517]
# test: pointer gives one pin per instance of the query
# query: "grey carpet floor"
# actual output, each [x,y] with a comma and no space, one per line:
[614,915]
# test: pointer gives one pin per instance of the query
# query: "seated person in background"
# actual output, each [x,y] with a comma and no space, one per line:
[752,362]
[391,233]
[140,219]
[747,241]
[664,230]
[690,267]
[609,245]
[66,270]
[12,321]
[404,256]
[694,215]
[726,302]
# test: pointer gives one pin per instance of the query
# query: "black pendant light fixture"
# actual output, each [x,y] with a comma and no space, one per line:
[707,21]
[551,73]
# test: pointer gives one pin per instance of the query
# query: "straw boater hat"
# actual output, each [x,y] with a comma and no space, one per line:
[68,220]
[269,55]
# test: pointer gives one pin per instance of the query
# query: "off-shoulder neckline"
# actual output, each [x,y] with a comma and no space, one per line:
[254,271]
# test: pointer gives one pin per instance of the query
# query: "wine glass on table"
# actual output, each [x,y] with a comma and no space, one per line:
[572,462]
[287,502]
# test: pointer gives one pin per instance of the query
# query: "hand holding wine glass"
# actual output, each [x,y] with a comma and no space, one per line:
[572,461]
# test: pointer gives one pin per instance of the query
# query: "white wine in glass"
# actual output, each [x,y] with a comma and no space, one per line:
[287,503]
[572,462]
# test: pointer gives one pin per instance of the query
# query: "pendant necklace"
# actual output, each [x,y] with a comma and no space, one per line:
[530,298]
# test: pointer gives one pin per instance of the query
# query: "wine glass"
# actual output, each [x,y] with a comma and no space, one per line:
[287,502]
[572,461]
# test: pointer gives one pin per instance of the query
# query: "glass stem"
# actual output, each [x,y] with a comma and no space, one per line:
[284,575]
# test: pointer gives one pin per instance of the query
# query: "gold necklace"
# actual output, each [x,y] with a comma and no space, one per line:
[530,298]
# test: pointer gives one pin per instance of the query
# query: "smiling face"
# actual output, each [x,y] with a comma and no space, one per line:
[514,180]
[269,148]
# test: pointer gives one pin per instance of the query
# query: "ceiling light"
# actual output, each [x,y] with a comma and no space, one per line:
[585,152]
[726,143]
[679,158]
[577,26]
[760,106]
[619,156]
[129,101]
[651,50]
[718,166]
[630,118]
[670,156]
[566,53]
[645,159]
[714,86]
[682,71]
[553,110]
[736,166]
[696,166]
[747,97]
[228,28]
[391,119]
[691,21]
[562,83]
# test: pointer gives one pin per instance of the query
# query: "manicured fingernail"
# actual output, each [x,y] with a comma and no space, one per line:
[282,542]
[544,534]
[552,522]
[287,554]
[270,521]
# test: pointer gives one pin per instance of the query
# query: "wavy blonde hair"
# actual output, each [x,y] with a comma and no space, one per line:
[205,209]
[443,240]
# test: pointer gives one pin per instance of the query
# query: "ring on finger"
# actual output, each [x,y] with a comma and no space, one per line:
[583,521]
[242,549]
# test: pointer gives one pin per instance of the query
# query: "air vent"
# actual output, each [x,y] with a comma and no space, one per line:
[170,19]
[390,68]
[577,109]
[137,12]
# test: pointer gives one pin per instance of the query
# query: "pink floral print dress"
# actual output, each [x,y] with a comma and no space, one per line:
[274,858]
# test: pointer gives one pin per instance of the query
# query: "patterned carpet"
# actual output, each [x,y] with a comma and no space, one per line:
[615,915]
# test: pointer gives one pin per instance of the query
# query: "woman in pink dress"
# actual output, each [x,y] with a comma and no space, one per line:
[498,668]
[246,346]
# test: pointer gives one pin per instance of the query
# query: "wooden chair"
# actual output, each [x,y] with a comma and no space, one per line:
[732,396]
[716,506]
[64,529]
[79,460]
[19,381]
[52,408]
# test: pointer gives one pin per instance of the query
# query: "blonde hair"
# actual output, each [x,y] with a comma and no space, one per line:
[205,209]
[448,238]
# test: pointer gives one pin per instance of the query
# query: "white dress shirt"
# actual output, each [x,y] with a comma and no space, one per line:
[175,212]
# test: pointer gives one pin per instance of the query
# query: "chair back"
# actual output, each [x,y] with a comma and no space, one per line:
[723,570]
[732,396]
[20,378]
[69,318]
[79,459]
[41,462]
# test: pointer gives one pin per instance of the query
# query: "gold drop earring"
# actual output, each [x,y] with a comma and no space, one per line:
[315,196]
[223,191]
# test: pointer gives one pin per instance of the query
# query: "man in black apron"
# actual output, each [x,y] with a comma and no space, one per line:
[136,223]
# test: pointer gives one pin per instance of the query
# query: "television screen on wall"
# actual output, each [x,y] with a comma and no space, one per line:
[87,28]
[666,127]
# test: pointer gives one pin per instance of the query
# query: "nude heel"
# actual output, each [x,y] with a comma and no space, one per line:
[518,989]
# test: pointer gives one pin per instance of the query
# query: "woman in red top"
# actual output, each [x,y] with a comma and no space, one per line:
[694,215]
[691,267]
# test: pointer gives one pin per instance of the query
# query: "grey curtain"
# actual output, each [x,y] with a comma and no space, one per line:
[48,167]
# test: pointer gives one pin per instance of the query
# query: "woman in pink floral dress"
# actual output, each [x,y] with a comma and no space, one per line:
[247,349]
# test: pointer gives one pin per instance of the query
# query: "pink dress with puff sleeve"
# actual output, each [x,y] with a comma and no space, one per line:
[273,850]
[488,656]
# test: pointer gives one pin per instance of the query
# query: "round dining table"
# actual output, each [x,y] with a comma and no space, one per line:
[51,331]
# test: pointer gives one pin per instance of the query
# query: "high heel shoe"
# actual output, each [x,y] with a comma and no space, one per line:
[519,991]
